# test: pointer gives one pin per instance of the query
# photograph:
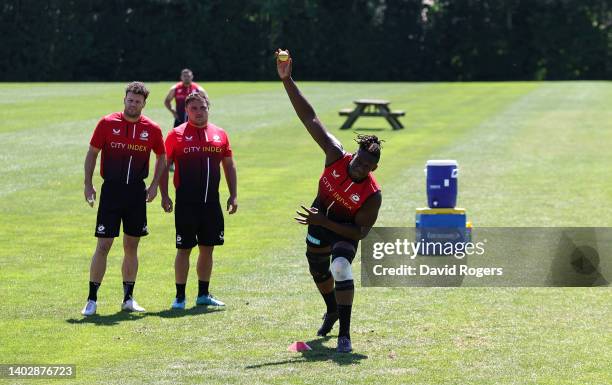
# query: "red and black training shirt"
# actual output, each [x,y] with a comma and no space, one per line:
[197,153]
[339,197]
[181,91]
[126,147]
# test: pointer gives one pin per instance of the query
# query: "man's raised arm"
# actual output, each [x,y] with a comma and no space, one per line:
[328,143]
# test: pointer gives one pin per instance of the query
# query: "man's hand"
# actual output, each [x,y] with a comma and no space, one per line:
[310,217]
[90,194]
[283,67]
[151,192]
[166,203]
[232,204]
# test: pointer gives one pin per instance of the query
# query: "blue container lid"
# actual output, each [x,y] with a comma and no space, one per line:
[447,162]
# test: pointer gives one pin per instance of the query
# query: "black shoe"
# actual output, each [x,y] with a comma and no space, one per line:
[329,319]
[344,345]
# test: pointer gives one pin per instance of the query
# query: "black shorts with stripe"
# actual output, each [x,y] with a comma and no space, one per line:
[320,237]
[122,203]
[198,224]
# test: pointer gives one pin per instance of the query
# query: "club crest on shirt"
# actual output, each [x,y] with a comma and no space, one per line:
[216,138]
[144,135]
[355,197]
[116,131]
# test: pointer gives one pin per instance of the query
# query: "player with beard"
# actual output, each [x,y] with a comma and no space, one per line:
[125,140]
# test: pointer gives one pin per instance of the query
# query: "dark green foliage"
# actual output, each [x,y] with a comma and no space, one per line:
[332,40]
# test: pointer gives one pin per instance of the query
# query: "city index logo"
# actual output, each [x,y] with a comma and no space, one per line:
[335,174]
[211,149]
[328,186]
[129,146]
[343,201]
[191,149]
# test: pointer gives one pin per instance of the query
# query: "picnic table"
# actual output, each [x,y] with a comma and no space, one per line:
[371,107]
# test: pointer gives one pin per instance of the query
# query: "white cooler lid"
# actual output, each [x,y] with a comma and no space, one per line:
[447,162]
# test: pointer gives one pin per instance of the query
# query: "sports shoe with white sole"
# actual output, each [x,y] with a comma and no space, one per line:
[132,305]
[208,300]
[90,308]
[176,304]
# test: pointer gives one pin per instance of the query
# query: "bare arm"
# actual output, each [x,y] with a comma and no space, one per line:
[160,166]
[166,202]
[364,220]
[168,102]
[328,143]
[89,166]
[229,168]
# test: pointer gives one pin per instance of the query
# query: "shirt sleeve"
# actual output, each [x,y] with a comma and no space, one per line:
[227,149]
[98,138]
[158,145]
[170,144]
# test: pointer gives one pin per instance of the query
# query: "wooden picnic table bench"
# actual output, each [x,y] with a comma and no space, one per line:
[371,107]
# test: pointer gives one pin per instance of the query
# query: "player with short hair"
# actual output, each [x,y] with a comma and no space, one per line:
[344,211]
[198,148]
[125,140]
[179,92]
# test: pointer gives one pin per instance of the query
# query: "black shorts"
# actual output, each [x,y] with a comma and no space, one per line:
[198,224]
[122,203]
[320,237]
[179,121]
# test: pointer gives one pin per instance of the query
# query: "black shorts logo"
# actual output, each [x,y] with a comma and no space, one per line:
[101,229]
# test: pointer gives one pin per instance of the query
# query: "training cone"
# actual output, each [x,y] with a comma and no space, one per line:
[299,346]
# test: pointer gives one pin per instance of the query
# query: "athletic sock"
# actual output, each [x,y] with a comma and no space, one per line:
[330,301]
[202,288]
[128,290]
[180,291]
[344,313]
[93,291]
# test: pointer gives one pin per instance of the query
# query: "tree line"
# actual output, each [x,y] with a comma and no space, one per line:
[359,40]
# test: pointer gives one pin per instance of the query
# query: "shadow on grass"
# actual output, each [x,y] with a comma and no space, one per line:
[122,316]
[319,353]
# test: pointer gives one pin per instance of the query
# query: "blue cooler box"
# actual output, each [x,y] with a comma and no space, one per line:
[441,183]
[441,226]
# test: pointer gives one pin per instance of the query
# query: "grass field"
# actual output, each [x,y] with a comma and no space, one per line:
[531,154]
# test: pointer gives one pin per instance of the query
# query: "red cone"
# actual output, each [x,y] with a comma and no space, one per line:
[299,346]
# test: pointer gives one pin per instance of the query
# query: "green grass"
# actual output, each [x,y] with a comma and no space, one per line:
[531,154]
